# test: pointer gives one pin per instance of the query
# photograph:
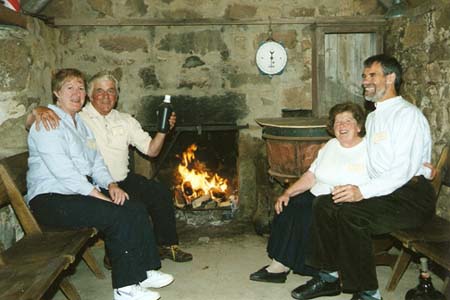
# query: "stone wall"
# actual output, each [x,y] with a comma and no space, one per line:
[26,60]
[421,42]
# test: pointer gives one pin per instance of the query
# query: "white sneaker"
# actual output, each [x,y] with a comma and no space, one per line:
[156,279]
[135,292]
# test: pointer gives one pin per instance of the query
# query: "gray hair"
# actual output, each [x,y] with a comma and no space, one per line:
[100,76]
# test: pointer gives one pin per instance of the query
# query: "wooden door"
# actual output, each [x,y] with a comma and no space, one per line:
[338,55]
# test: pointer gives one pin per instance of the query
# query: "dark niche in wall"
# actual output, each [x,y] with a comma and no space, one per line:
[223,109]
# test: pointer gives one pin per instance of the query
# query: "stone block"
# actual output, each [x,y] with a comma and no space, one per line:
[119,44]
[14,65]
[200,42]
[240,11]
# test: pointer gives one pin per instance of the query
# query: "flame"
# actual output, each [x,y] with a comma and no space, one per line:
[196,181]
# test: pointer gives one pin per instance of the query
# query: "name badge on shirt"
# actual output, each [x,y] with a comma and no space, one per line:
[355,168]
[91,144]
[379,137]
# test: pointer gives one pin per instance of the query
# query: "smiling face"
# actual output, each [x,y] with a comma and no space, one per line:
[346,129]
[377,86]
[103,96]
[71,96]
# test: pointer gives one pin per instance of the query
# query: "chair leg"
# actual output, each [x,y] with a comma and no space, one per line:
[400,267]
[91,262]
[69,290]
[446,289]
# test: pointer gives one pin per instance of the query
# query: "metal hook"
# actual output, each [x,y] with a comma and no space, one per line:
[270,29]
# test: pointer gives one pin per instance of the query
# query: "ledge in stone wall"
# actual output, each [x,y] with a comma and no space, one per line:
[9,17]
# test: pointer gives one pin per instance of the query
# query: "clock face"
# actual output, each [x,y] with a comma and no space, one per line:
[271,58]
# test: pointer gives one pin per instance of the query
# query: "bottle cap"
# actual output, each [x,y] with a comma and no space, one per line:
[424,264]
[167,98]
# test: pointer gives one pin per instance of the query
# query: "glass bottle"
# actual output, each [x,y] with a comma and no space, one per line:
[424,290]
[163,113]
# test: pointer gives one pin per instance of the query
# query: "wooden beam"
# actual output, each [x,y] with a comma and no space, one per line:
[59,22]
[10,17]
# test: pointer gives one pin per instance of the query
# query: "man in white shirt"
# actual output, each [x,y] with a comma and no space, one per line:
[397,196]
[114,132]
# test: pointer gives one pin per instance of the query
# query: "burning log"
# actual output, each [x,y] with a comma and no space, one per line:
[180,201]
[225,203]
[198,202]
[187,188]
[217,194]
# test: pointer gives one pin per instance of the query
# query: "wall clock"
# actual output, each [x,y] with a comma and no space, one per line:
[271,58]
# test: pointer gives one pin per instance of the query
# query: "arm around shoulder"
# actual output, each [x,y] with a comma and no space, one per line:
[42,115]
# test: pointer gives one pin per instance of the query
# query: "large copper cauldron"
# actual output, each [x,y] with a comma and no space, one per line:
[292,145]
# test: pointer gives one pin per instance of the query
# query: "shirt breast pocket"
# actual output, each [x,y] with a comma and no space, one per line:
[118,137]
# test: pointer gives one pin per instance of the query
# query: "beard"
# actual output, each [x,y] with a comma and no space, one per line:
[376,96]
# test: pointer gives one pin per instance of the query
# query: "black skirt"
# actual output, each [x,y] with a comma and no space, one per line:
[289,239]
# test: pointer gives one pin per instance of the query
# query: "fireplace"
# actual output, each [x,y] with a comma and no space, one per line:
[223,146]
[199,163]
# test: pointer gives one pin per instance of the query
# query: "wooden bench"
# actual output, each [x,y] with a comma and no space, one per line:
[431,240]
[34,263]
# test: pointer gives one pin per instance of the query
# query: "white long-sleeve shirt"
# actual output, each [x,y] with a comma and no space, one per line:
[398,144]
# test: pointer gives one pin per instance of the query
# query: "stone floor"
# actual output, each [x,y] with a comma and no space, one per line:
[224,256]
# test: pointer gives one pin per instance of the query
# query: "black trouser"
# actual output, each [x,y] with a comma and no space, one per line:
[290,236]
[158,201]
[127,230]
[341,234]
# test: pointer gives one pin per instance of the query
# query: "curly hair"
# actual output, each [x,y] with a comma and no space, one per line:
[357,112]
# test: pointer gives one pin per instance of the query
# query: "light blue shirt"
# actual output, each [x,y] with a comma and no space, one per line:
[60,159]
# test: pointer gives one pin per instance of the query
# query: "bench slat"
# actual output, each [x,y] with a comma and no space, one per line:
[30,281]
[436,230]
[437,252]
[34,248]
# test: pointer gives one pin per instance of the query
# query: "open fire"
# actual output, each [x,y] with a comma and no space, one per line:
[198,187]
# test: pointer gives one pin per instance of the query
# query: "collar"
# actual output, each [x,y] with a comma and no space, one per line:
[90,110]
[62,114]
[388,102]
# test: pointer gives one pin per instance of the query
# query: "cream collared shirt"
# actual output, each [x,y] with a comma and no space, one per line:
[114,133]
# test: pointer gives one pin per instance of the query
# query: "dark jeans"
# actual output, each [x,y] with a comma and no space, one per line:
[127,230]
[341,234]
[158,202]
[289,240]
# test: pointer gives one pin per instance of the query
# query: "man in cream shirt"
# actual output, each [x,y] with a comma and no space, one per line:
[114,132]
[397,196]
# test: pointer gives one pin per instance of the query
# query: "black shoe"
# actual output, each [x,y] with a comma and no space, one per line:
[358,296]
[316,287]
[174,253]
[265,276]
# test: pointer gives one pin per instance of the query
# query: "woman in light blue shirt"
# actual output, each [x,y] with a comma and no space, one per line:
[70,186]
